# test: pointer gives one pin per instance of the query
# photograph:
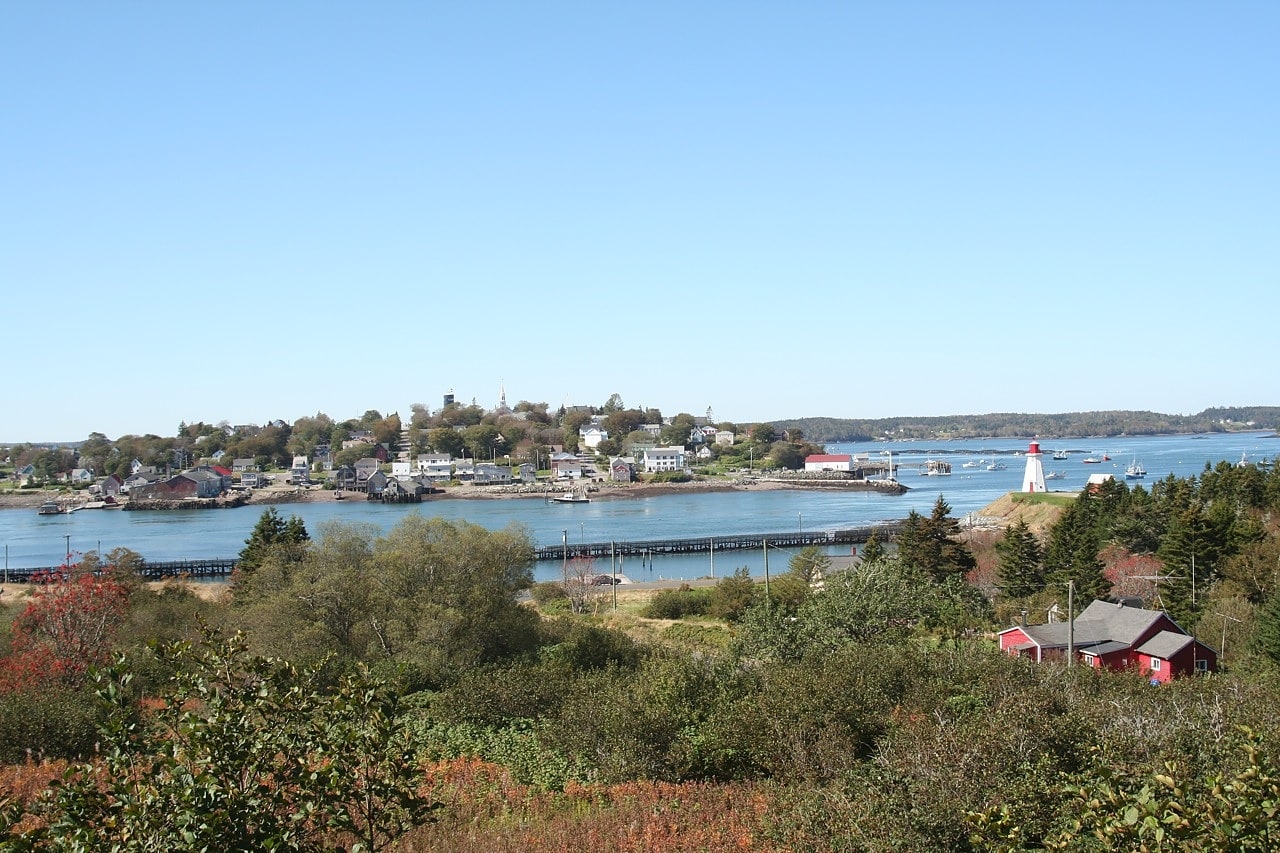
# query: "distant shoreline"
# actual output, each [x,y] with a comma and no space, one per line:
[604,490]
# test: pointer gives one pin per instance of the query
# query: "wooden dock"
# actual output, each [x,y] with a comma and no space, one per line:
[705,544]
[154,570]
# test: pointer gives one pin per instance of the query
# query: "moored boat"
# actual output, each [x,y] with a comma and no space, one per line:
[49,508]
[1135,471]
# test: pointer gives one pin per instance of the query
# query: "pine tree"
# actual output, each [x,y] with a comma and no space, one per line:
[873,550]
[272,535]
[1266,637]
[1021,563]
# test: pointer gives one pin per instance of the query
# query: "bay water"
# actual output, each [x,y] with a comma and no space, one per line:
[32,540]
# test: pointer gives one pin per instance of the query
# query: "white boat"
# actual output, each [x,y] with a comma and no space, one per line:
[1135,471]
[997,466]
[1059,455]
[1096,460]
[974,464]
[1055,475]
[575,495]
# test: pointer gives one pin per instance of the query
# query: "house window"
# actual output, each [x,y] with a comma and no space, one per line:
[1155,664]
[1202,665]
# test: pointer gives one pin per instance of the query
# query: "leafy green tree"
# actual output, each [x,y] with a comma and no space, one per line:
[423,600]
[763,434]
[1021,566]
[447,440]
[242,754]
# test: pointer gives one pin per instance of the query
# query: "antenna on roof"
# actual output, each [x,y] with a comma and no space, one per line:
[1155,588]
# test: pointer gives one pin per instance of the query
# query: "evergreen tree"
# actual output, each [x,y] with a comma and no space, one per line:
[1021,563]
[1266,636]
[931,544]
[273,535]
[873,550]
[1187,571]
[1072,553]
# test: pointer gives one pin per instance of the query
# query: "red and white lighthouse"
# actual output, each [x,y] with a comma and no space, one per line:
[1033,479]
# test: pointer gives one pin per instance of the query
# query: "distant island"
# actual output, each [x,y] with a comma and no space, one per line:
[1015,425]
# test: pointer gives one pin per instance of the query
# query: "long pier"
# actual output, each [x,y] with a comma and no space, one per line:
[567,550]
[152,570]
[222,568]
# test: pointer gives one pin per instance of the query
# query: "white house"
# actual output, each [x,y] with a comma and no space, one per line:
[565,466]
[436,467]
[591,436]
[724,437]
[663,459]
[828,462]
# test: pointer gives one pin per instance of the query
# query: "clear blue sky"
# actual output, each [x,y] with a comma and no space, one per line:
[245,211]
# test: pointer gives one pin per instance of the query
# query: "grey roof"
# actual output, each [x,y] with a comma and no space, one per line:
[1117,622]
[1166,644]
[1106,648]
[1100,622]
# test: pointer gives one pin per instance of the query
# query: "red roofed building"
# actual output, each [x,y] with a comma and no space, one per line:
[829,462]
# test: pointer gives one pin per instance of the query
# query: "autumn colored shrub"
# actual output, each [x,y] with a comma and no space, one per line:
[66,629]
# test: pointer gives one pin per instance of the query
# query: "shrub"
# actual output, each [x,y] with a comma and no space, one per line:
[52,723]
[548,592]
[678,603]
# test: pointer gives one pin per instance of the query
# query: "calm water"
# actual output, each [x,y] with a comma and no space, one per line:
[33,540]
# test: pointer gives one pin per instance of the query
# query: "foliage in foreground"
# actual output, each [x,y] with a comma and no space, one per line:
[240,755]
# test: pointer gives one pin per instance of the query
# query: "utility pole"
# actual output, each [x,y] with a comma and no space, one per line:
[768,603]
[613,571]
[1071,623]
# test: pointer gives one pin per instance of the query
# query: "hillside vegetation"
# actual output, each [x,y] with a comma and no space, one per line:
[1015,425]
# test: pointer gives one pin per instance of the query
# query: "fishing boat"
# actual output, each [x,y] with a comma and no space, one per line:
[997,466]
[1059,455]
[1135,471]
[1055,475]
[575,495]
[972,464]
[1096,460]
[49,508]
[936,468]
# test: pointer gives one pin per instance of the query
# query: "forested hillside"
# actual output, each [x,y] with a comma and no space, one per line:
[1016,425]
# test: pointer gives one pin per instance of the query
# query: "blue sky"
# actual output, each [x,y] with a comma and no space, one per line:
[242,211]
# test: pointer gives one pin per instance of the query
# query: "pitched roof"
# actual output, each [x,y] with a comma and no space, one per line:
[1117,622]
[1166,644]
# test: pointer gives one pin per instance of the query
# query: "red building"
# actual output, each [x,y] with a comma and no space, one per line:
[1113,636]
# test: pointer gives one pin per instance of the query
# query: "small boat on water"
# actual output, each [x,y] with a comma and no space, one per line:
[1059,455]
[1055,475]
[972,464]
[997,466]
[575,495]
[1135,471]
[936,468]
[1096,460]
[49,508]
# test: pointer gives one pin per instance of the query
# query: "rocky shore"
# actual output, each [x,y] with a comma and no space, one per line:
[596,490]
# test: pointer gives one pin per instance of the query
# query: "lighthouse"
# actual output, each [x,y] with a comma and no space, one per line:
[1033,479]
